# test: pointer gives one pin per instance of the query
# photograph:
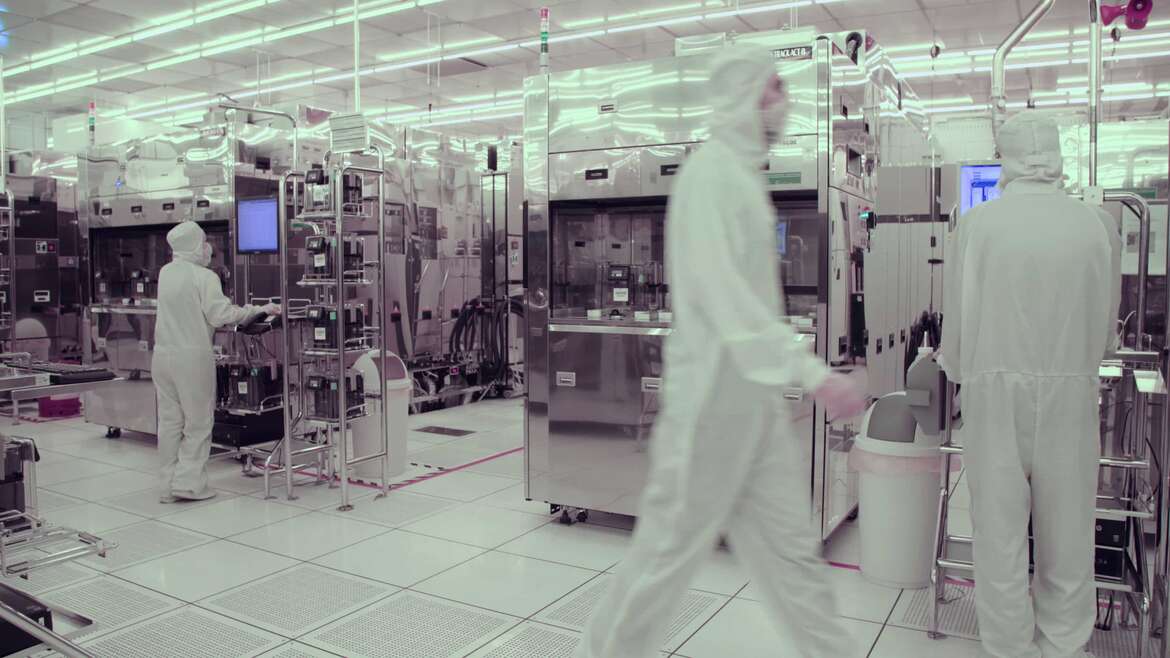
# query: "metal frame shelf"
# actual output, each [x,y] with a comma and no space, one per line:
[331,292]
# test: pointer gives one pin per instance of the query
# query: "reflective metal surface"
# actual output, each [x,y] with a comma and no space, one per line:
[601,146]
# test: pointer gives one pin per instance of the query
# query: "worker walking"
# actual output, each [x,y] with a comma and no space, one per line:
[723,454]
[1032,293]
[191,304]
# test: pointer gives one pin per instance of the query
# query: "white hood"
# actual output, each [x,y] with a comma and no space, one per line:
[186,241]
[739,75]
[1029,148]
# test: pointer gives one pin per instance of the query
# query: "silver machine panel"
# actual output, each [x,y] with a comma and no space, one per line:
[601,147]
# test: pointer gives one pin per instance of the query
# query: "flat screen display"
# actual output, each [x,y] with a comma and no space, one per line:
[977,183]
[256,226]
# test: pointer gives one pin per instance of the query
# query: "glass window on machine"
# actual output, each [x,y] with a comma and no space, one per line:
[608,264]
[798,252]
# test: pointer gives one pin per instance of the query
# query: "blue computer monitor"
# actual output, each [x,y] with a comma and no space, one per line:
[977,183]
[257,230]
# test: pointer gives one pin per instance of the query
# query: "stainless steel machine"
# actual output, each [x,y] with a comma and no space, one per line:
[601,147]
[131,195]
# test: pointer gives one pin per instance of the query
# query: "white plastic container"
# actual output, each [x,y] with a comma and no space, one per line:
[364,431]
[898,492]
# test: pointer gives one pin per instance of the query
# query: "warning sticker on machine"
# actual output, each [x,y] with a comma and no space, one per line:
[621,294]
[319,333]
[784,178]
[243,388]
[318,260]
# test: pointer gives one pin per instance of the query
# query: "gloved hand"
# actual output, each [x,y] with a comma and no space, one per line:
[840,396]
[271,309]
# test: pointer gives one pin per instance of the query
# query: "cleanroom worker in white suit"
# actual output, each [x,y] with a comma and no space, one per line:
[1032,293]
[723,454]
[191,304]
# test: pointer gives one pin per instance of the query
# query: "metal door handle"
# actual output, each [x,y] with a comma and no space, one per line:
[567,379]
[651,384]
[794,394]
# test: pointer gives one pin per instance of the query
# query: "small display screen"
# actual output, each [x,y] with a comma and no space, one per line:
[256,226]
[977,184]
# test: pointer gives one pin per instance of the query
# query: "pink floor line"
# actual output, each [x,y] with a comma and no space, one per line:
[421,478]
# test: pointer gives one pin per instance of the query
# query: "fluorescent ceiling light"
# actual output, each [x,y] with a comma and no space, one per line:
[387,57]
[636,14]
[207,49]
[205,13]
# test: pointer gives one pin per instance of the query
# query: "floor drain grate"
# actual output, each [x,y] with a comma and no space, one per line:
[444,431]
[410,626]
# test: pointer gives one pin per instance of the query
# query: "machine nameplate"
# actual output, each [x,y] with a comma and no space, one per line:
[796,52]
[621,295]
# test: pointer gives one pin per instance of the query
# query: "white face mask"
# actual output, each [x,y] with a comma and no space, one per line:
[775,120]
[205,257]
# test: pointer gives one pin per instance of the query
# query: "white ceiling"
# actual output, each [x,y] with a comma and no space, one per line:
[35,26]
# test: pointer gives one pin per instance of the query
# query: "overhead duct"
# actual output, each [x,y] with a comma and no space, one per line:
[999,62]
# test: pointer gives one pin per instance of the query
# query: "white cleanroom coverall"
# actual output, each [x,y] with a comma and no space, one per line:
[723,454]
[191,304]
[1032,293]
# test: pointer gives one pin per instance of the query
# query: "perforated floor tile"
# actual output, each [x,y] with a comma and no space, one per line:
[573,611]
[958,618]
[297,650]
[531,640]
[145,541]
[299,600]
[111,603]
[185,633]
[409,625]
[45,580]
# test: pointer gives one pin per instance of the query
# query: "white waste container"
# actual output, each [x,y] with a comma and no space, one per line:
[364,432]
[898,494]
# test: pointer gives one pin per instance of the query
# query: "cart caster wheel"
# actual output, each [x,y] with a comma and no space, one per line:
[113,432]
[565,518]
[582,516]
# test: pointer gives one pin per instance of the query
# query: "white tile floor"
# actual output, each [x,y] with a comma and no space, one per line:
[455,565]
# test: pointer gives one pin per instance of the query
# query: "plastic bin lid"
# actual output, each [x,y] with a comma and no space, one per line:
[895,449]
[395,368]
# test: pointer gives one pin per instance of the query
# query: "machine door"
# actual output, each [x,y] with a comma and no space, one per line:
[605,383]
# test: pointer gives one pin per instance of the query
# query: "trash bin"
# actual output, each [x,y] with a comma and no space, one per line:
[364,432]
[897,459]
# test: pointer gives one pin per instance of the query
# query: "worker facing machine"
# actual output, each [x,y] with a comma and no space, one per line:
[1033,288]
[191,304]
[723,455]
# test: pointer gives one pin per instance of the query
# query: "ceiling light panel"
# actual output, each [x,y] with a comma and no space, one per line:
[171,23]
